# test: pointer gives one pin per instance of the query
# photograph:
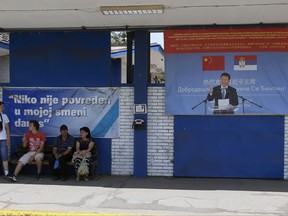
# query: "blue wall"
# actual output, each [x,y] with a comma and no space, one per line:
[142,53]
[69,59]
[63,59]
[214,146]
[229,146]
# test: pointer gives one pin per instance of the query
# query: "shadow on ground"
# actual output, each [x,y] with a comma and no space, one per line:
[273,185]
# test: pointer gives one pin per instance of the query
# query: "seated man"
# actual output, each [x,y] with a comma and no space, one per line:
[35,140]
[61,151]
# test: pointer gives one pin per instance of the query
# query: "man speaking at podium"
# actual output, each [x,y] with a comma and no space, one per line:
[225,96]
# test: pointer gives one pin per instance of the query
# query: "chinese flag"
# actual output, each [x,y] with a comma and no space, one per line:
[210,63]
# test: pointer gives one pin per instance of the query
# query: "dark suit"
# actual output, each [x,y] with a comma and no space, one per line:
[231,94]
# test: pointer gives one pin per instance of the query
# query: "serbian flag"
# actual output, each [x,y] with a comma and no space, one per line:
[213,63]
[245,62]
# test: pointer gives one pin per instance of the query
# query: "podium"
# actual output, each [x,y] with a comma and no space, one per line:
[219,110]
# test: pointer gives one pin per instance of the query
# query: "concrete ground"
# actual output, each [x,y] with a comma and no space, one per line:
[148,196]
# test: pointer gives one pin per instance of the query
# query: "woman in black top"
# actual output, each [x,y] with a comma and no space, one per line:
[83,148]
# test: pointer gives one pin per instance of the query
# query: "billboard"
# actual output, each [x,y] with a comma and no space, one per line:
[96,108]
[256,59]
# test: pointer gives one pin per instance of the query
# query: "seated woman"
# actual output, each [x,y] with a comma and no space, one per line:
[83,151]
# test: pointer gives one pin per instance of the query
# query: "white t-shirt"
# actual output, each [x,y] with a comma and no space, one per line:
[3,135]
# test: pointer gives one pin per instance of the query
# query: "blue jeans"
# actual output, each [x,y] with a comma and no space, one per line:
[4,150]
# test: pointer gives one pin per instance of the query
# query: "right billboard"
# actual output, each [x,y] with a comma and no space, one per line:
[226,71]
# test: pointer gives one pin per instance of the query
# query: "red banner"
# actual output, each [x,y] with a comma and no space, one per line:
[213,63]
[226,40]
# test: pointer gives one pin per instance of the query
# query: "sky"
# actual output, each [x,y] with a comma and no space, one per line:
[158,38]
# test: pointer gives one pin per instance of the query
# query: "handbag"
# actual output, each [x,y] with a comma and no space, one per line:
[1,123]
[77,155]
[83,168]
[56,164]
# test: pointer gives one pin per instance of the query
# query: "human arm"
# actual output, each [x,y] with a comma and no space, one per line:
[68,150]
[41,149]
[233,97]
[55,152]
[90,147]
[210,94]
[78,148]
[71,144]
[214,94]
[8,142]
[24,141]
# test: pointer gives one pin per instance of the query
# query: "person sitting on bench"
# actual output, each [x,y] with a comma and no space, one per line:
[83,151]
[61,151]
[35,140]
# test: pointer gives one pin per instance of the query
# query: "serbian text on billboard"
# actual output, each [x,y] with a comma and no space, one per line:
[256,59]
[96,108]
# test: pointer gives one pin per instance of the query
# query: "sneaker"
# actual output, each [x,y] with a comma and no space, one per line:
[13,178]
[38,177]
[64,179]
[56,178]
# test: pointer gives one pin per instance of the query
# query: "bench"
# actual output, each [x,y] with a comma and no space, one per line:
[48,152]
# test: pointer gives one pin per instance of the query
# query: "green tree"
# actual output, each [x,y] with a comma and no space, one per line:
[118,39]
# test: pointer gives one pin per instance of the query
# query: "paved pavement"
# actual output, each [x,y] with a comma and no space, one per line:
[148,196]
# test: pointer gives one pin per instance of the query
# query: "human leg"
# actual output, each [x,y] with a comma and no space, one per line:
[55,172]
[87,161]
[63,166]
[18,168]
[4,156]
[76,166]
[22,161]
[38,158]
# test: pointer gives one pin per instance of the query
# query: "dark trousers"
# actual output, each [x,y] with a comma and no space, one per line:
[63,169]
